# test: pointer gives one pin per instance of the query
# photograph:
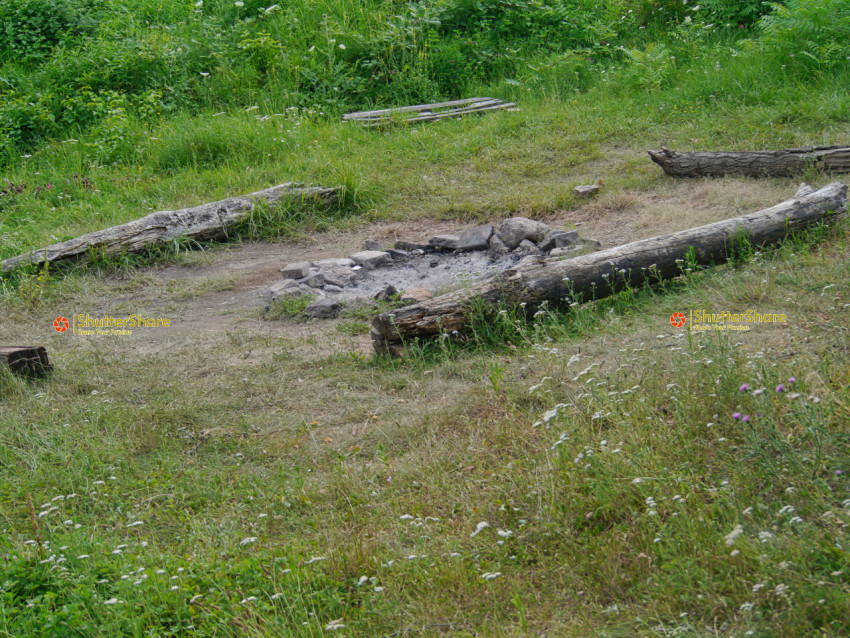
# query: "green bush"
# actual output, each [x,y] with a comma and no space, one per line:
[31,28]
[808,34]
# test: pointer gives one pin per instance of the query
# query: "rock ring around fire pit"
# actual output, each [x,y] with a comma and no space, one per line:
[413,272]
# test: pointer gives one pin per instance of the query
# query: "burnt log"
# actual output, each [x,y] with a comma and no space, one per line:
[605,272]
[27,361]
[784,163]
[208,221]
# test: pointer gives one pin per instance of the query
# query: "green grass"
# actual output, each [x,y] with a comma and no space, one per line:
[272,481]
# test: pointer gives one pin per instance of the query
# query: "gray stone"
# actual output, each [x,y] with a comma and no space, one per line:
[326,263]
[371,259]
[476,238]
[309,290]
[315,279]
[371,244]
[516,229]
[558,239]
[526,247]
[398,254]
[498,246]
[386,293]
[281,287]
[340,276]
[298,270]
[445,242]
[332,289]
[587,190]
[324,309]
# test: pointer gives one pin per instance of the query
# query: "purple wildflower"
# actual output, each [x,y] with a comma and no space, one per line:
[737,415]
[792,379]
[745,418]
[780,388]
[745,387]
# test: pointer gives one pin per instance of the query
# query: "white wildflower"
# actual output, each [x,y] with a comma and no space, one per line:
[735,533]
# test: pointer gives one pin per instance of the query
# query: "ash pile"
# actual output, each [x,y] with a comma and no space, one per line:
[411,272]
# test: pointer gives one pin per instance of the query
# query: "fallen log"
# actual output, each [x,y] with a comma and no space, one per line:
[27,361]
[784,163]
[207,221]
[602,273]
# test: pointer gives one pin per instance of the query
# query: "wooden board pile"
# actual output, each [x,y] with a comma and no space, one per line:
[429,112]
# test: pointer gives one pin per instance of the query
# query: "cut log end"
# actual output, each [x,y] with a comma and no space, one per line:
[25,361]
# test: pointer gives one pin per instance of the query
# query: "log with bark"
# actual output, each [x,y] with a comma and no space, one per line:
[28,361]
[784,163]
[602,273]
[207,221]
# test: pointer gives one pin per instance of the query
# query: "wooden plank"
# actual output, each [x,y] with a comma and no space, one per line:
[441,116]
[602,273]
[407,109]
[27,361]
[465,109]
[425,109]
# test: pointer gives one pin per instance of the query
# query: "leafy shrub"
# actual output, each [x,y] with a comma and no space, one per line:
[808,33]
[30,28]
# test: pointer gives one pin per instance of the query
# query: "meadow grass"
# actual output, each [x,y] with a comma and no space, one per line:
[583,471]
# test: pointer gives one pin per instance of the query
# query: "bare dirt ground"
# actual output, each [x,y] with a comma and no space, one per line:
[220,348]
[222,291]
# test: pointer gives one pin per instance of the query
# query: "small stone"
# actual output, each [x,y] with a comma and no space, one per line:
[586,190]
[372,244]
[324,309]
[280,289]
[398,254]
[334,261]
[309,290]
[417,252]
[476,238]
[526,247]
[445,242]
[315,280]
[371,259]
[298,270]
[332,289]
[497,246]
[415,295]
[516,229]
[434,264]
[558,239]
[340,276]
[386,293]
